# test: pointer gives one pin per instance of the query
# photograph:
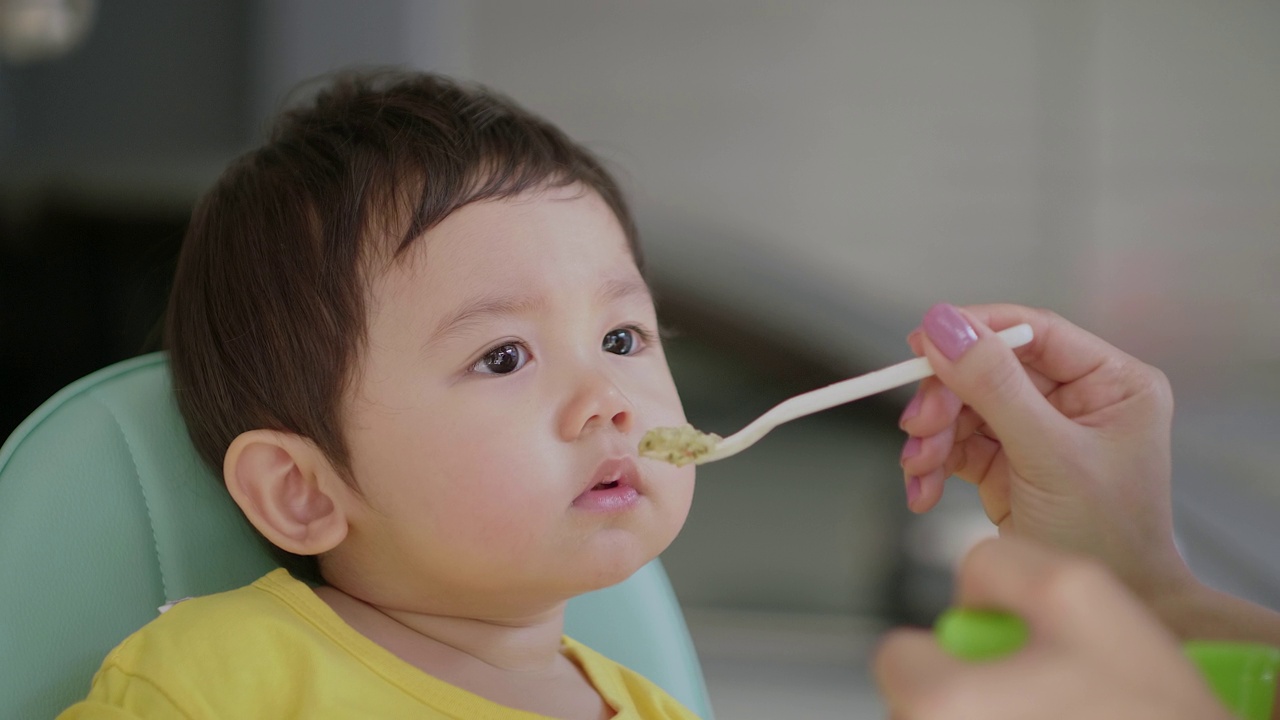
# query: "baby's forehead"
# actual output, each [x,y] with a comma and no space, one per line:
[536,239]
[570,221]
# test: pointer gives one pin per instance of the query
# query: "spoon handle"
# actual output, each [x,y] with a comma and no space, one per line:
[839,393]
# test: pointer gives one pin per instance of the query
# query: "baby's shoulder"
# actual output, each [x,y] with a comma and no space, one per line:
[250,625]
[249,652]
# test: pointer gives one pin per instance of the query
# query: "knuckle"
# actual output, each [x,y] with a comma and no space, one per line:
[957,461]
[1148,383]
[1002,382]
[1159,387]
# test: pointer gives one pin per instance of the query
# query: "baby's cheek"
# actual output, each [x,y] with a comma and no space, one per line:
[663,399]
[686,486]
[495,490]
[485,526]
[674,495]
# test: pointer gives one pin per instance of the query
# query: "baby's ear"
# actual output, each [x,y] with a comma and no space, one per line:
[286,487]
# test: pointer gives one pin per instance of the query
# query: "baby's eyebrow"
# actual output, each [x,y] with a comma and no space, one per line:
[612,290]
[483,307]
[624,289]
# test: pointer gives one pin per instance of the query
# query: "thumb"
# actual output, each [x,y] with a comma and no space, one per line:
[981,370]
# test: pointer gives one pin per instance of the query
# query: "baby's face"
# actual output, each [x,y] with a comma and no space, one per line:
[512,367]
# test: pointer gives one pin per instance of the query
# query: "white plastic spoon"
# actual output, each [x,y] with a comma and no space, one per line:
[684,445]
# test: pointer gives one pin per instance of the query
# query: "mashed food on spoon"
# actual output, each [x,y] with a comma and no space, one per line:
[677,445]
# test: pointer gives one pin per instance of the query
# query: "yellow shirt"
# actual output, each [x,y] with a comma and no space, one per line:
[275,650]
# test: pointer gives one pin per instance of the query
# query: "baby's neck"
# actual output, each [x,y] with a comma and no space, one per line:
[517,663]
[529,644]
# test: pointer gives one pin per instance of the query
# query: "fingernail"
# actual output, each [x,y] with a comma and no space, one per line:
[913,490]
[910,449]
[948,330]
[912,409]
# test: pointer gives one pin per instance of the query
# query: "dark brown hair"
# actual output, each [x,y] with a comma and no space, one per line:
[267,313]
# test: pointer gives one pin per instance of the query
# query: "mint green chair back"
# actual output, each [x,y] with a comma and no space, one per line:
[106,513]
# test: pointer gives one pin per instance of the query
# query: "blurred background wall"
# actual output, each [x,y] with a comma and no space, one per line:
[809,177]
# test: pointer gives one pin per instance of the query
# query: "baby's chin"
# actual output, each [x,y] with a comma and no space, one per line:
[621,560]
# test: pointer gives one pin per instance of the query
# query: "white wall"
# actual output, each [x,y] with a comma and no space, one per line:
[1188,184]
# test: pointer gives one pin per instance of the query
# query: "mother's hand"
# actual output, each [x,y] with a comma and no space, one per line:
[1067,438]
[1094,654]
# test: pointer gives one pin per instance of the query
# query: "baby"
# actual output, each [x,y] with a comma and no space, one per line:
[413,333]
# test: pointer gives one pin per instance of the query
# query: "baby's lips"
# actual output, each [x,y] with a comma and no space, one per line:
[622,470]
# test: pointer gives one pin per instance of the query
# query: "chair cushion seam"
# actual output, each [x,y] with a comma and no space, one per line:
[142,489]
[51,406]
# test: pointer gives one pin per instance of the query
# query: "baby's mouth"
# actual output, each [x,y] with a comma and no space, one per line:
[608,485]
[614,486]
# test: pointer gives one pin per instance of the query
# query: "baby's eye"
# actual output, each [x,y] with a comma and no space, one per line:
[623,341]
[502,360]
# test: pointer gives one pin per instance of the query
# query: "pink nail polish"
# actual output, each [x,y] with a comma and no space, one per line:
[948,330]
[912,409]
[913,490]
[910,449]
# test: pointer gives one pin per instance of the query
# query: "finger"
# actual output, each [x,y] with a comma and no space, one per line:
[972,460]
[1059,350]
[1003,574]
[924,491]
[978,461]
[933,408]
[913,339]
[969,426]
[1060,596]
[922,455]
[928,462]
[1043,382]
[918,680]
[1114,379]
[984,372]
[970,423]
[1113,383]
[994,490]
[911,670]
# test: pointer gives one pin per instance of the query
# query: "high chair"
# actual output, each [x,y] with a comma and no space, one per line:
[107,512]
